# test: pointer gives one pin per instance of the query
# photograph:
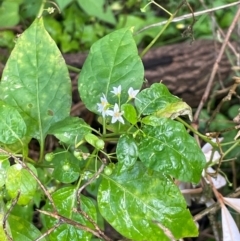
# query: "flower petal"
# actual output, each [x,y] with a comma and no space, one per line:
[233,203]
[229,227]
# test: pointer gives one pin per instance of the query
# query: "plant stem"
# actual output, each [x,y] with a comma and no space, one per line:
[74,69]
[205,138]
[162,30]
[41,9]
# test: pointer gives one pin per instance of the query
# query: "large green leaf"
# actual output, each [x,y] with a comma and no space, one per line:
[64,200]
[23,230]
[70,130]
[12,125]
[36,81]
[96,9]
[155,98]
[20,180]
[166,147]
[112,61]
[134,202]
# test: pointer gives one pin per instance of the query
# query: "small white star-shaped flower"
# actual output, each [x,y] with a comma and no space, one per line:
[116,114]
[132,93]
[103,106]
[117,90]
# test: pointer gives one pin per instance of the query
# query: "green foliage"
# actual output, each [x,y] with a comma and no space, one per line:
[133,183]
[84,22]
[134,193]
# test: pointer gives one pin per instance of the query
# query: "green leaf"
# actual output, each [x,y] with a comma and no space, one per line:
[154,99]
[66,167]
[96,9]
[70,130]
[12,125]
[4,165]
[127,151]
[36,81]
[24,230]
[19,179]
[63,3]
[173,110]
[144,199]
[9,13]
[130,113]
[112,61]
[168,148]
[64,201]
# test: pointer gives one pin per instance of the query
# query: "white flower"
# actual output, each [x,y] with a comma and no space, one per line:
[132,93]
[117,90]
[218,181]
[116,114]
[103,106]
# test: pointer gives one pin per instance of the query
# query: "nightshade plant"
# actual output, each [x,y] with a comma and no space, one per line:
[127,168]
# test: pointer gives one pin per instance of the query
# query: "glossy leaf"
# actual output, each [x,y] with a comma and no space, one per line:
[4,165]
[12,125]
[64,201]
[127,151]
[36,81]
[138,201]
[112,61]
[66,167]
[154,99]
[19,179]
[23,230]
[130,113]
[168,148]
[97,9]
[70,130]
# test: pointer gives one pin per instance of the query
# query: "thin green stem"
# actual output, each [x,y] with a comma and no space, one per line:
[231,148]
[162,30]
[205,138]
[74,69]
[165,10]
[41,9]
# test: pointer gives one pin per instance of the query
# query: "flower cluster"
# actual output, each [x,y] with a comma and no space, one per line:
[115,113]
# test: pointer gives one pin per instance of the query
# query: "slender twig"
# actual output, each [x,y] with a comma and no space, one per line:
[63,219]
[79,210]
[14,202]
[89,182]
[49,231]
[216,65]
[186,16]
